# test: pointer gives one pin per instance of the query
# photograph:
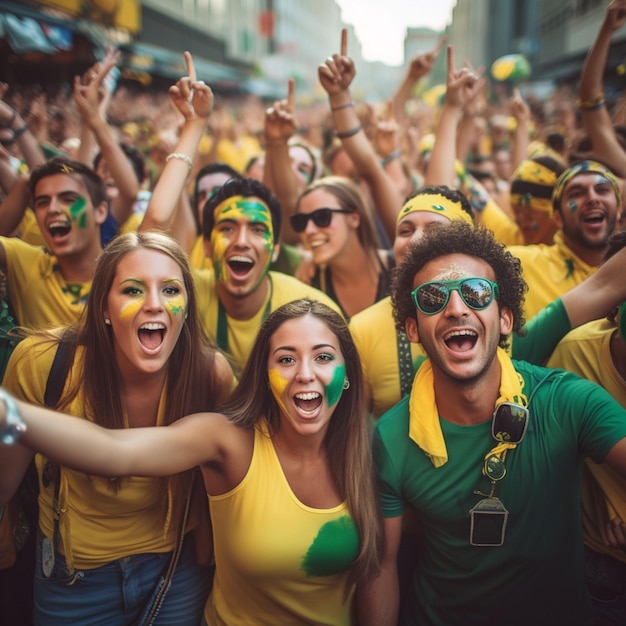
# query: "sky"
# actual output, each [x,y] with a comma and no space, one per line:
[381,24]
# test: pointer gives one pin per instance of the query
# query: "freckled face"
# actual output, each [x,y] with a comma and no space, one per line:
[242,244]
[66,217]
[147,306]
[306,371]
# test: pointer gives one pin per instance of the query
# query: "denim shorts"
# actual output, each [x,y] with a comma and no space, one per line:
[117,594]
[606,581]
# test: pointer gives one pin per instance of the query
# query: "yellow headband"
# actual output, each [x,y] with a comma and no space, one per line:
[435,203]
[532,184]
[585,167]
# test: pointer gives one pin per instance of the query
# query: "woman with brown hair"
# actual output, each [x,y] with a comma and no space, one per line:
[287,468]
[337,228]
[137,357]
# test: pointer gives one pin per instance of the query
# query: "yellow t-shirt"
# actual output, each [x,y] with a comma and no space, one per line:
[277,560]
[97,525]
[549,271]
[29,230]
[39,295]
[376,339]
[197,256]
[242,333]
[505,230]
[586,351]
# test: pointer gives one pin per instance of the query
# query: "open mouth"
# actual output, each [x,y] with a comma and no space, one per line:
[461,340]
[59,228]
[240,265]
[151,335]
[308,402]
[594,218]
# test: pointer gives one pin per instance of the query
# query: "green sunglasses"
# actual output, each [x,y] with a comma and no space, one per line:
[433,296]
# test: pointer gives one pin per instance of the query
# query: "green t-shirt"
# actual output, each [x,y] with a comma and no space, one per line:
[537,576]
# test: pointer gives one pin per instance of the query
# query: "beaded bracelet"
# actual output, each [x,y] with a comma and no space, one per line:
[591,105]
[390,157]
[347,105]
[348,133]
[182,157]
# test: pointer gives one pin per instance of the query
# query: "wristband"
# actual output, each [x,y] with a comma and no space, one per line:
[591,105]
[390,157]
[18,132]
[14,426]
[182,157]
[347,105]
[348,133]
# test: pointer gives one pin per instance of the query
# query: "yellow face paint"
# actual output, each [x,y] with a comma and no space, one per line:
[130,309]
[278,385]
[237,209]
[176,305]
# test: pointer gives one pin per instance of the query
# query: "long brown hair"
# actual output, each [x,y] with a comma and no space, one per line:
[348,439]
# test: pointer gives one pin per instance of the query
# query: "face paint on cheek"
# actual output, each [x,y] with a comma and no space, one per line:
[78,212]
[621,322]
[277,386]
[573,207]
[131,309]
[176,306]
[334,389]
[218,254]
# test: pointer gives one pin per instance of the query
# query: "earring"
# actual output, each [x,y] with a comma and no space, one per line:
[107,321]
[346,384]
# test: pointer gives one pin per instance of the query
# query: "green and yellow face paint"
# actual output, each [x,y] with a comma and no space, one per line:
[236,210]
[334,388]
[78,212]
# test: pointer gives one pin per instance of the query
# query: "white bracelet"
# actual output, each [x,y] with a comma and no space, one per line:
[14,426]
[182,157]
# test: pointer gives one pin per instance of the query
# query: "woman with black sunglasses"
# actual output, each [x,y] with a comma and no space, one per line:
[336,227]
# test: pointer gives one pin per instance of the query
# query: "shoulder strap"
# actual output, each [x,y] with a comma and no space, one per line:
[58,373]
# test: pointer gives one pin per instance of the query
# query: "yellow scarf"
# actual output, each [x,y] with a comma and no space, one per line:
[424,426]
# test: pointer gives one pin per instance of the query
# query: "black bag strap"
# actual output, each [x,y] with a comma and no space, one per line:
[58,373]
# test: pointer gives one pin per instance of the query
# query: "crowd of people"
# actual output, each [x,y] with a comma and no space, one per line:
[351,363]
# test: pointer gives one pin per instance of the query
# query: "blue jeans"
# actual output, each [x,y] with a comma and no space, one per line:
[606,580]
[118,593]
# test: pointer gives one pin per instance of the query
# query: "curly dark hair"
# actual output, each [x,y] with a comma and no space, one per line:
[460,238]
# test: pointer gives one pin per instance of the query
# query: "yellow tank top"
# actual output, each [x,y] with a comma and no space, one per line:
[278,561]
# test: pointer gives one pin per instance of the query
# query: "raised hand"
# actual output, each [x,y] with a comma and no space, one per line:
[422,64]
[192,97]
[280,121]
[337,72]
[616,14]
[461,85]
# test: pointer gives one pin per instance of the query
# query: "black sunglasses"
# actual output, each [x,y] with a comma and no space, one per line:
[433,296]
[320,217]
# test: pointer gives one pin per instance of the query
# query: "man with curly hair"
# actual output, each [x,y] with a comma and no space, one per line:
[485,450]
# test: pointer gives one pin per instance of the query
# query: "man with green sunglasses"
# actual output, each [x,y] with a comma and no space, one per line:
[486,451]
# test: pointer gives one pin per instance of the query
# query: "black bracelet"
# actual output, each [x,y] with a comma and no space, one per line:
[20,131]
[391,156]
[348,133]
[347,105]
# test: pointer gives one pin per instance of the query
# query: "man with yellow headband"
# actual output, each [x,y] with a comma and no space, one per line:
[242,225]
[532,184]
[587,204]
[486,451]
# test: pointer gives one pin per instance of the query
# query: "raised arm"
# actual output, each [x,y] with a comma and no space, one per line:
[88,95]
[421,65]
[194,100]
[280,126]
[461,85]
[27,143]
[591,103]
[336,75]
[521,139]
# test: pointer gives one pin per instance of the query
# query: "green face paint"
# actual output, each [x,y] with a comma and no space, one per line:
[621,320]
[78,212]
[238,209]
[573,207]
[277,386]
[176,305]
[334,389]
